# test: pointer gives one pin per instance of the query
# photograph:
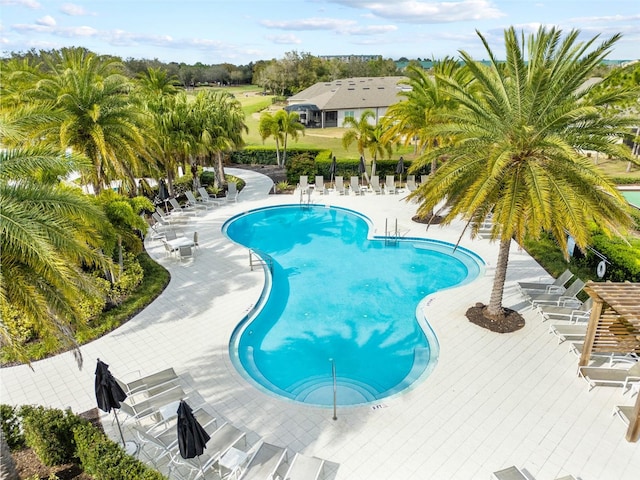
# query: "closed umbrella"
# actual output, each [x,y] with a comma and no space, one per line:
[163,193]
[192,437]
[361,168]
[109,393]
[333,168]
[400,168]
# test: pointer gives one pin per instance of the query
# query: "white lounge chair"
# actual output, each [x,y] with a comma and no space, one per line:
[264,462]
[411,183]
[339,185]
[375,184]
[143,383]
[613,357]
[574,311]
[624,412]
[232,192]
[181,209]
[558,299]
[222,440]
[568,332]
[390,184]
[206,198]
[354,186]
[304,468]
[511,473]
[556,286]
[318,187]
[195,203]
[303,183]
[186,252]
[611,376]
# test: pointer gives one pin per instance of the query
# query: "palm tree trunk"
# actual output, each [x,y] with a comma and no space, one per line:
[284,150]
[220,178]
[495,302]
[278,151]
[7,465]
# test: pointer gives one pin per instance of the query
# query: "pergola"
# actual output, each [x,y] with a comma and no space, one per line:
[614,328]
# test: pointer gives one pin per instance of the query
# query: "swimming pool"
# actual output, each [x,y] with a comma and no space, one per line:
[336,296]
[632,196]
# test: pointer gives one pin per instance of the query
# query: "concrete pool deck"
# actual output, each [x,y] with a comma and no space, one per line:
[492,401]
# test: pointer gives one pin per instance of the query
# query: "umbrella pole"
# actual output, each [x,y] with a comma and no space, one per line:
[124,444]
[200,463]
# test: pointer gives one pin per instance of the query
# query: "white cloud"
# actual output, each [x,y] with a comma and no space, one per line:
[74,10]
[284,39]
[32,4]
[332,24]
[413,11]
[47,21]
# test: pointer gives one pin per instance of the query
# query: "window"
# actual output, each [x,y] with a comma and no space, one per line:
[349,114]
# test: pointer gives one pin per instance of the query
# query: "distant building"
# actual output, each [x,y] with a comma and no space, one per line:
[327,104]
[351,58]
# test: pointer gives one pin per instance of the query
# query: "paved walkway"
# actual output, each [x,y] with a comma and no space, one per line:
[492,401]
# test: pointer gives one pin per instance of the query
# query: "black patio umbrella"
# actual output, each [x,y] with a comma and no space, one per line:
[109,394]
[361,168]
[333,168]
[192,438]
[400,168]
[163,193]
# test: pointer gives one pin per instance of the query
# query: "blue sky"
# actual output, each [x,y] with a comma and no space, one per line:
[242,31]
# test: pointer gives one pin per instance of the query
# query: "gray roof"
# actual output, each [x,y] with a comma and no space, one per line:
[358,92]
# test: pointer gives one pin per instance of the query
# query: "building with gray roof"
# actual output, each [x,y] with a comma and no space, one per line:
[327,104]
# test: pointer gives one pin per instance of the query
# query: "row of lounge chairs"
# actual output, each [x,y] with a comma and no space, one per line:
[514,473]
[151,408]
[355,187]
[558,301]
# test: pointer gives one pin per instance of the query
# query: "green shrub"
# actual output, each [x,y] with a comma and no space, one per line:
[207,177]
[48,433]
[624,258]
[105,459]
[11,427]
[126,283]
[301,164]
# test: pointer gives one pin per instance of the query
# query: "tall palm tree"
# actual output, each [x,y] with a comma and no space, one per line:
[409,120]
[98,118]
[49,233]
[360,131]
[289,125]
[268,127]
[517,137]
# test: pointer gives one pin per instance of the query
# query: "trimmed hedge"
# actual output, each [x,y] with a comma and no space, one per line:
[267,155]
[48,433]
[11,426]
[106,460]
[624,258]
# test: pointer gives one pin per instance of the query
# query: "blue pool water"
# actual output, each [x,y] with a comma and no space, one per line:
[336,295]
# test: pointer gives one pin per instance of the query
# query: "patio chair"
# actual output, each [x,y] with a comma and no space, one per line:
[613,357]
[411,183]
[195,203]
[375,184]
[319,185]
[303,183]
[232,192]
[624,412]
[264,462]
[186,252]
[144,383]
[568,332]
[511,473]
[354,186]
[390,184]
[574,311]
[304,468]
[339,185]
[557,286]
[181,209]
[423,179]
[206,198]
[558,299]
[610,376]
[222,440]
